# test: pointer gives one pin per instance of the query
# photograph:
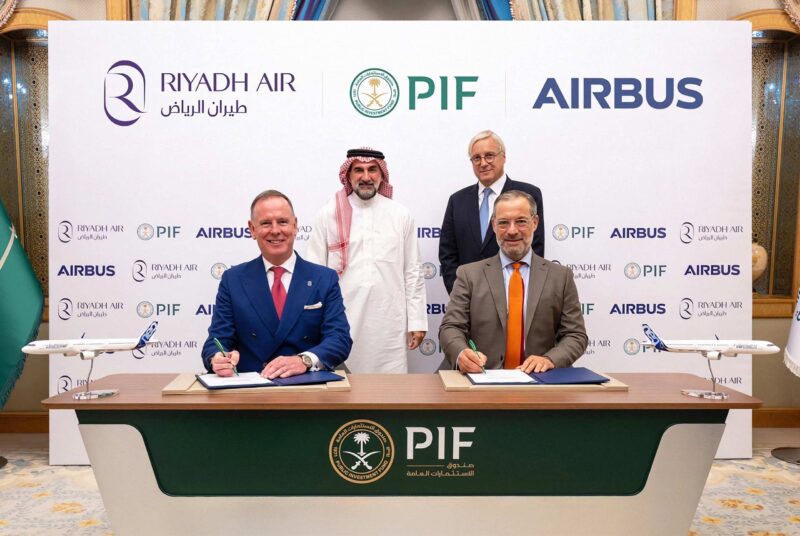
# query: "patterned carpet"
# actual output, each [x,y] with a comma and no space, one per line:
[758,497]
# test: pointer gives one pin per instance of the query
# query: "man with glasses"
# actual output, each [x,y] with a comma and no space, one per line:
[466,234]
[518,309]
[277,314]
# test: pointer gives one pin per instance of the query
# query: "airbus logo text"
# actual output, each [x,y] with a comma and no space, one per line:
[620,93]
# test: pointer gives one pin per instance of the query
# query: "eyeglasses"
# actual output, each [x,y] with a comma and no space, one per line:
[489,157]
[521,224]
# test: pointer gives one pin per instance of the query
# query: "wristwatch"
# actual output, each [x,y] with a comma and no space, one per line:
[306,361]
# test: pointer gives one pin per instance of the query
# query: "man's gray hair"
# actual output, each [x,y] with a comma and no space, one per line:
[486,134]
[267,194]
[517,194]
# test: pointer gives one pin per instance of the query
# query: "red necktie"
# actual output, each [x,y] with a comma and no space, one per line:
[515,328]
[278,290]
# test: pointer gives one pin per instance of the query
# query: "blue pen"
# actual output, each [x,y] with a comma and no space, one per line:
[224,353]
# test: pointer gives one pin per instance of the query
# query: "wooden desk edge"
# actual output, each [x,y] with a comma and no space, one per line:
[146,395]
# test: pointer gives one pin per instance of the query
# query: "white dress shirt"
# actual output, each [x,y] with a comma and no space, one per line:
[286,279]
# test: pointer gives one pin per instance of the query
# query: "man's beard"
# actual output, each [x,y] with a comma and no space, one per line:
[366,195]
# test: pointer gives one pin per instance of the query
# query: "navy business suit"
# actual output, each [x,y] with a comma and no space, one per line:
[245,318]
[460,241]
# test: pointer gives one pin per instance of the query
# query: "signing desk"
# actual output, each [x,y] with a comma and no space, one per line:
[398,455]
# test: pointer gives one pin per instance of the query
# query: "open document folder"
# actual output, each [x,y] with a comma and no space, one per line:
[500,377]
[254,379]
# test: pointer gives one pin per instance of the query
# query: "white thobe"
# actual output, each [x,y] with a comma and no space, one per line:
[383,286]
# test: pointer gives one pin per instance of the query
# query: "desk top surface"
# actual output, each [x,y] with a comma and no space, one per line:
[407,392]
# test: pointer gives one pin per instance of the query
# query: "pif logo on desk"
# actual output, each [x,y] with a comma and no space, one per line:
[361,451]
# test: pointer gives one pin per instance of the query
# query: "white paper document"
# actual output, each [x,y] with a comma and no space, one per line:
[245,379]
[500,376]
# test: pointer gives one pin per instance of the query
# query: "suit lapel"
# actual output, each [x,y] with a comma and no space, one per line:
[494,277]
[296,298]
[536,279]
[256,287]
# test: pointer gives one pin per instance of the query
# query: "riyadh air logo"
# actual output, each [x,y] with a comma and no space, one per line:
[64,384]
[124,93]
[361,451]
[139,271]
[686,309]
[217,270]
[374,92]
[428,347]
[687,232]
[145,231]
[560,232]
[64,308]
[64,231]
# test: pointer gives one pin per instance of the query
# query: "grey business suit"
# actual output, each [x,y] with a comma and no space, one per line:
[553,320]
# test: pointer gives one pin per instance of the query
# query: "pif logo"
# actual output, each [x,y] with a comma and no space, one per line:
[374,92]
[361,451]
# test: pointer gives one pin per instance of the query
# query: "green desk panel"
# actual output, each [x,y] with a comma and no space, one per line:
[280,453]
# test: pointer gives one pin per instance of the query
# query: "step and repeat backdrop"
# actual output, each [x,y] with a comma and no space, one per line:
[161,134]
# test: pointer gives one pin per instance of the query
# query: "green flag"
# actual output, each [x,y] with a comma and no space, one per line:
[21,303]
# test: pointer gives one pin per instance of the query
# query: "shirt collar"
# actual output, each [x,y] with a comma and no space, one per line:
[497,187]
[505,261]
[289,264]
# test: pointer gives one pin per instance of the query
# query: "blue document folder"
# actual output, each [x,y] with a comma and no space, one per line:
[568,376]
[309,378]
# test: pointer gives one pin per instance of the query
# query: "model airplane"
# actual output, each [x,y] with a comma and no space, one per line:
[711,348]
[91,348]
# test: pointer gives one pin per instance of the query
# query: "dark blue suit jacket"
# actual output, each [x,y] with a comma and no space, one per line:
[245,318]
[460,241]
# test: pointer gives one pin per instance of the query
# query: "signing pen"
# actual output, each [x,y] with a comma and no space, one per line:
[224,353]
[475,349]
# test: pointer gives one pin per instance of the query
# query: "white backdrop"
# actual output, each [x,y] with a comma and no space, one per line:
[140,213]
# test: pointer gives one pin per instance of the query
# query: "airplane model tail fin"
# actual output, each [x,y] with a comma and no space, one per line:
[151,329]
[657,342]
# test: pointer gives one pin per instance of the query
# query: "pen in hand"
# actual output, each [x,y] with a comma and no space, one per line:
[224,353]
[475,349]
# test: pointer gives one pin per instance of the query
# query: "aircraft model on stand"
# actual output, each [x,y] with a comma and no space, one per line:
[708,348]
[711,349]
[89,349]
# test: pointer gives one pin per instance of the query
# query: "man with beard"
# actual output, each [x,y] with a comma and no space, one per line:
[371,242]
[519,310]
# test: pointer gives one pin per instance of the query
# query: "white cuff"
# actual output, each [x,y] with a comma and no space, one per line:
[316,364]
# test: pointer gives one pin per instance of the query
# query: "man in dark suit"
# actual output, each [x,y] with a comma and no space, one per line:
[520,310]
[263,326]
[466,234]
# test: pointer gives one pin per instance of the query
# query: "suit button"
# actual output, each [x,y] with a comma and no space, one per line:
[253,334]
[305,337]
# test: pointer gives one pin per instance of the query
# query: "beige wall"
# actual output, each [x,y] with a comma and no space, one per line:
[772,381]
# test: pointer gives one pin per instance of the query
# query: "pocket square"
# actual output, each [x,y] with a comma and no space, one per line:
[317,305]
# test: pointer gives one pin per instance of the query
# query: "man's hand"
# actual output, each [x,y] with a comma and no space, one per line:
[283,367]
[223,366]
[470,361]
[536,363]
[415,338]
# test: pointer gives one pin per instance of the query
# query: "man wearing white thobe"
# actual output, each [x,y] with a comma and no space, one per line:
[371,241]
